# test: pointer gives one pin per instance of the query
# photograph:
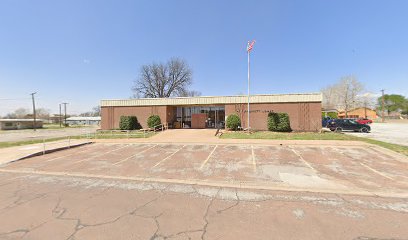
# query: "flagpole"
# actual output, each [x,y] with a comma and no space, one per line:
[248,90]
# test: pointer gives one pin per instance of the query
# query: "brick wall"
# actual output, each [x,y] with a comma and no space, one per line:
[111,115]
[303,116]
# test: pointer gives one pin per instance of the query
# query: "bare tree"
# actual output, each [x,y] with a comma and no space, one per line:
[18,113]
[343,95]
[160,80]
[367,100]
[330,98]
[42,113]
[348,90]
[96,111]
[191,93]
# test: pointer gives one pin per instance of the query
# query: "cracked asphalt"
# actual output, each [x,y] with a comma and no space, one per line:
[197,191]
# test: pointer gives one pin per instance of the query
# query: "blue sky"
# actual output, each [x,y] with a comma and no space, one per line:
[83,51]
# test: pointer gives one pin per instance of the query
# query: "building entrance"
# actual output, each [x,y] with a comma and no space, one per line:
[200,117]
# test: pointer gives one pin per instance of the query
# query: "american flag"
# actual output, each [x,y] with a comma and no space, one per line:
[250,45]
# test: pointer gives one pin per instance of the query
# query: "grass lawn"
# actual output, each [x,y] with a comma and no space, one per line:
[313,136]
[57,126]
[52,126]
[118,135]
[91,136]
[21,143]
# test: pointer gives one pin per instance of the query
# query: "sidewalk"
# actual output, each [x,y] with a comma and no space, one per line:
[207,136]
[14,153]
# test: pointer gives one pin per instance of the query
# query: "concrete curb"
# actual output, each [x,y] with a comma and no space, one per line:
[39,153]
[265,142]
[237,185]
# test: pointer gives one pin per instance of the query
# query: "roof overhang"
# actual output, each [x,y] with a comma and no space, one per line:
[213,100]
[20,120]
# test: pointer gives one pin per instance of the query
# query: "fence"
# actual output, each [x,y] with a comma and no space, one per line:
[66,142]
[142,133]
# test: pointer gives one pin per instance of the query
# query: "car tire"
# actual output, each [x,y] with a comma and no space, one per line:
[339,129]
[364,130]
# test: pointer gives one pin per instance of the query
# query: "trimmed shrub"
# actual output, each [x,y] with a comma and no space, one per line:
[233,122]
[278,122]
[273,121]
[330,114]
[153,121]
[129,123]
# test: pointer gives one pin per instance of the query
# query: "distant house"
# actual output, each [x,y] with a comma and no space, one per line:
[55,118]
[14,124]
[84,120]
[359,113]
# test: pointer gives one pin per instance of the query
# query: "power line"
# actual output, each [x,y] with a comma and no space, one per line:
[13,99]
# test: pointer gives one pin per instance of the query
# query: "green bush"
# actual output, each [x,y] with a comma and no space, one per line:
[153,120]
[233,122]
[273,121]
[278,122]
[330,114]
[129,123]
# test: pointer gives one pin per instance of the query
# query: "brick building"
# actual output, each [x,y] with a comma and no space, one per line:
[359,113]
[211,112]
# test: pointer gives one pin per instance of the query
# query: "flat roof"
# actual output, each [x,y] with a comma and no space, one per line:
[212,100]
[84,119]
[20,120]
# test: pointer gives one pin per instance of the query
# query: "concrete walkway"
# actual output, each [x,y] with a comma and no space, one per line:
[185,135]
[14,153]
[207,136]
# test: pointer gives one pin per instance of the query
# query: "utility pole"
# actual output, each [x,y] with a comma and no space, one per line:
[365,108]
[34,116]
[65,114]
[60,115]
[382,105]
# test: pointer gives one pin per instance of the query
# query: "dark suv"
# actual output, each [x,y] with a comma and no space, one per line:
[340,125]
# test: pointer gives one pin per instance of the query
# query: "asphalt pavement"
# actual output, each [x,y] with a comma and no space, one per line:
[390,132]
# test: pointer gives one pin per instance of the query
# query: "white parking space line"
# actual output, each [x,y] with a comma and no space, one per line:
[209,156]
[83,150]
[375,171]
[253,158]
[134,155]
[104,153]
[157,164]
[302,159]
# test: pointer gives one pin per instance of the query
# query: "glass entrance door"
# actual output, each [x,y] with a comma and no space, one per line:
[215,116]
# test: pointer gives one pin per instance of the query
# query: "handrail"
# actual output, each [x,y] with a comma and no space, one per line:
[163,126]
[116,132]
[61,141]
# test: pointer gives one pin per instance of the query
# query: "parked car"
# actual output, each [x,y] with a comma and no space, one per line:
[364,121]
[340,125]
[326,121]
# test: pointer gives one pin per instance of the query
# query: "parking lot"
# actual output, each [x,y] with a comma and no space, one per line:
[203,191]
[392,132]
